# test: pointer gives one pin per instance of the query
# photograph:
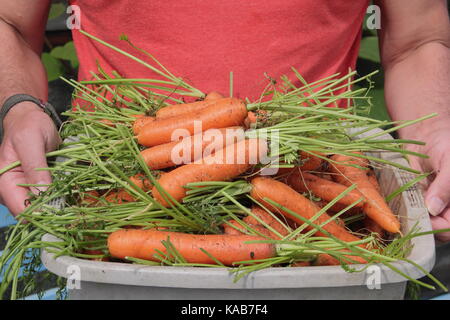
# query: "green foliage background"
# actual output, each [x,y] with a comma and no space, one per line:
[60,60]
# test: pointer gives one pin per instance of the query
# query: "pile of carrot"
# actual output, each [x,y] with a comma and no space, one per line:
[342,172]
[156,181]
[292,198]
[198,156]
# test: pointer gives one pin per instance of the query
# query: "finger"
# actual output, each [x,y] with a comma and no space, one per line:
[442,222]
[438,194]
[417,164]
[13,196]
[32,155]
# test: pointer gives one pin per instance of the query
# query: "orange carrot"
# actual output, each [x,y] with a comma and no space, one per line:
[269,220]
[345,172]
[107,122]
[228,112]
[263,230]
[227,229]
[223,165]
[310,162]
[324,175]
[120,196]
[324,259]
[254,116]
[322,188]
[213,95]
[332,210]
[257,225]
[228,249]
[186,108]
[89,198]
[141,122]
[375,206]
[287,197]
[283,173]
[373,180]
[338,207]
[173,153]
[141,181]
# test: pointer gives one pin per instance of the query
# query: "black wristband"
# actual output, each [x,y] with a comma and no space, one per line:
[17,98]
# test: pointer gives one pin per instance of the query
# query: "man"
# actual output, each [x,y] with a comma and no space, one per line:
[204,40]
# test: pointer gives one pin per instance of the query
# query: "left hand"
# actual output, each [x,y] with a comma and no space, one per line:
[437,196]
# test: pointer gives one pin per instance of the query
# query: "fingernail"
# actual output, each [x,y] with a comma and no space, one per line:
[37,190]
[435,206]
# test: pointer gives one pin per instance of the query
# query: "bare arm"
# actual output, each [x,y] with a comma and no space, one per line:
[29,132]
[21,34]
[415,51]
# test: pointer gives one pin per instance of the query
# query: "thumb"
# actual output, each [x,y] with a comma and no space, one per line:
[32,157]
[438,194]
[442,222]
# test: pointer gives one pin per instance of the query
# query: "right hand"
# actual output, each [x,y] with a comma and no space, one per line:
[29,133]
[436,136]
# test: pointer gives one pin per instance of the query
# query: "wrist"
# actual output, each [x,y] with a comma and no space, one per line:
[425,128]
[21,110]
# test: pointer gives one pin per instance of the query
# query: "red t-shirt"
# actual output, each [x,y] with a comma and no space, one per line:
[202,41]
